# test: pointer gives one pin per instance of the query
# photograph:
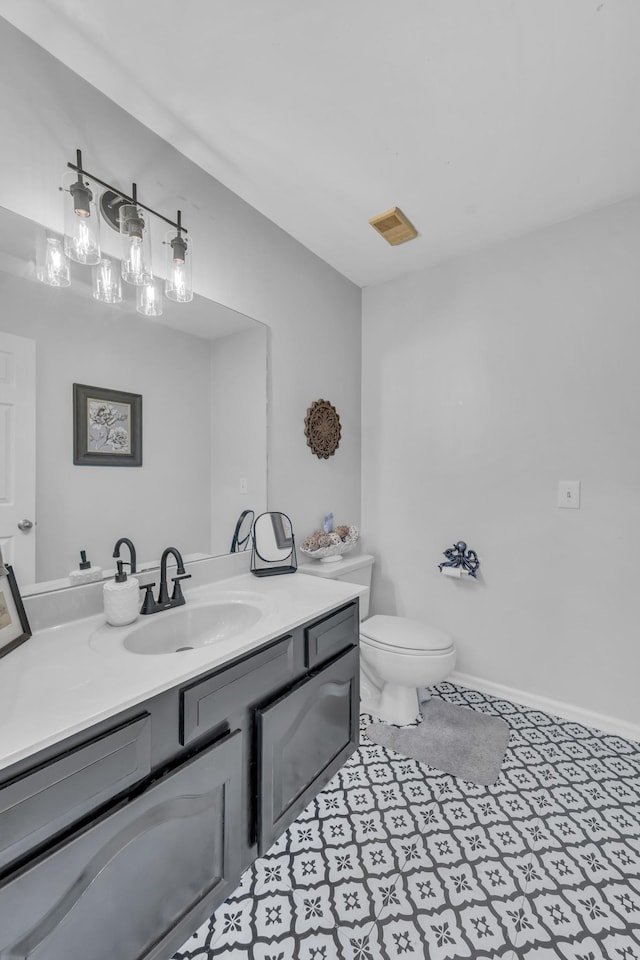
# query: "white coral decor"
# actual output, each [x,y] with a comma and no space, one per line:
[330,546]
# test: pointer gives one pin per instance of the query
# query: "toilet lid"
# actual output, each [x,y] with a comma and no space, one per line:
[403,633]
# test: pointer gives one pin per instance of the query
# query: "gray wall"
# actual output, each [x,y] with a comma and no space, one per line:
[486,381]
[241,259]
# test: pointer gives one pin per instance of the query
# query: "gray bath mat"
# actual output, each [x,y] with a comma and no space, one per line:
[459,741]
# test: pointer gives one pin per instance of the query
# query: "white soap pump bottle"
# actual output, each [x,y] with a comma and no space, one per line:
[121,599]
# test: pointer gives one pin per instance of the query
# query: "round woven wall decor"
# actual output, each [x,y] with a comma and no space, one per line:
[322,428]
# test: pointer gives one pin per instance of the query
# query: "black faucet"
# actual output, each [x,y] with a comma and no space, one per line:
[132,552]
[164,602]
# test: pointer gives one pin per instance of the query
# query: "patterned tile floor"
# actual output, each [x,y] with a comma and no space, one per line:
[395,860]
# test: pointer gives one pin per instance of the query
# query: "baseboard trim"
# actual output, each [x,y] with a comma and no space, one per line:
[588,718]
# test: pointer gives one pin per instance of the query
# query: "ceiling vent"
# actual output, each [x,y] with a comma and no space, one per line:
[394,226]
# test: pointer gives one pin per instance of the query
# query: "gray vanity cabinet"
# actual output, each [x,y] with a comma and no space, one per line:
[112,890]
[119,842]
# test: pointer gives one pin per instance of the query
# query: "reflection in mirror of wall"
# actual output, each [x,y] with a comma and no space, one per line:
[241,540]
[203,384]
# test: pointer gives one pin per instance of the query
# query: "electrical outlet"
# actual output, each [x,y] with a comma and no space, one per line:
[569,494]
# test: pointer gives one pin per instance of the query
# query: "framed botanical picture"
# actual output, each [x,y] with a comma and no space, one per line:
[107,427]
[14,626]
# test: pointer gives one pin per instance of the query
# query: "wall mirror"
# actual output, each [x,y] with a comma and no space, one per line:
[273,550]
[201,370]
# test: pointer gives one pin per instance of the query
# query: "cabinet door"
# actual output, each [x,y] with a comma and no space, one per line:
[303,739]
[138,880]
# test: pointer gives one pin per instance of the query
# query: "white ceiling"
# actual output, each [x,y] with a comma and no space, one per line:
[481,119]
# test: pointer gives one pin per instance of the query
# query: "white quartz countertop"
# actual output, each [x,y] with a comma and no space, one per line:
[69,677]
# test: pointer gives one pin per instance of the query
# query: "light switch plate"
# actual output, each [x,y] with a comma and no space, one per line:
[569,494]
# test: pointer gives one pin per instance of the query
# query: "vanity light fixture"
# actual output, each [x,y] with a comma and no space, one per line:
[178,285]
[81,222]
[127,215]
[136,250]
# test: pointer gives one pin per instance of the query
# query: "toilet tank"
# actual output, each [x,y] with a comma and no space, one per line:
[351,569]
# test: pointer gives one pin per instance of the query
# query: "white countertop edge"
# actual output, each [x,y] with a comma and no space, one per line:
[55,685]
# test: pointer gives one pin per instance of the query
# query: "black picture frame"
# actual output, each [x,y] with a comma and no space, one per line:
[107,427]
[14,626]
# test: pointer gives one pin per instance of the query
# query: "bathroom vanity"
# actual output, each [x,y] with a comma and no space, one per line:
[121,832]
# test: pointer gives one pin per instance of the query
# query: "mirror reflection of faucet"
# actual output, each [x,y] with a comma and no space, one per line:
[164,602]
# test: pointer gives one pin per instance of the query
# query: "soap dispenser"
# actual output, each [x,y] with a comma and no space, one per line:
[121,598]
[85,572]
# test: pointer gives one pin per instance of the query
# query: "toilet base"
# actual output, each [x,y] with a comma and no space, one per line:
[394,704]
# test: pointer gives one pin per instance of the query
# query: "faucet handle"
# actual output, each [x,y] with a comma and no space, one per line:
[177,596]
[148,604]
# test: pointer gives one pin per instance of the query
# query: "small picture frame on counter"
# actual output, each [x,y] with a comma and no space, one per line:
[14,626]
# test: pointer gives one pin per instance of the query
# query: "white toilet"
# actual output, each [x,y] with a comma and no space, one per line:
[397,655]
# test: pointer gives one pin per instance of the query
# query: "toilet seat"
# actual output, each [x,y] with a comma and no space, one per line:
[401,652]
[402,635]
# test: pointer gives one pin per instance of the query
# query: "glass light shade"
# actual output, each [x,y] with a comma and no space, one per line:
[178,285]
[149,299]
[52,266]
[107,287]
[81,221]
[136,246]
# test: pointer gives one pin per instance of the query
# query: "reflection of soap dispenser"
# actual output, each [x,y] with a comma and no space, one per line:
[121,599]
[85,572]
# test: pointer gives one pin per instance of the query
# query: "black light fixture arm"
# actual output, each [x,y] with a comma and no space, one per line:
[79,165]
[80,170]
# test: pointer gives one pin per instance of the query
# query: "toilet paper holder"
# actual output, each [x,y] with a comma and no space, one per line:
[459,560]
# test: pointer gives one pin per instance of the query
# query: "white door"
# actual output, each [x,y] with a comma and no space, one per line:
[18,455]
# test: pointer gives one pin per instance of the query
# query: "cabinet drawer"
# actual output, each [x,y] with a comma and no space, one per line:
[330,636]
[140,878]
[43,802]
[208,703]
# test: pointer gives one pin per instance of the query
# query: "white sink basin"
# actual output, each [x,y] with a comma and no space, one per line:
[191,627]
[196,625]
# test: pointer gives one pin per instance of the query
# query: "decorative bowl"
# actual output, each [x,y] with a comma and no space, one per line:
[335,552]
